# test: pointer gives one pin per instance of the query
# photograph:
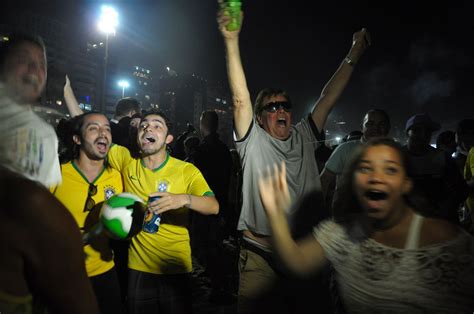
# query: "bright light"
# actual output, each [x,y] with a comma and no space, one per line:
[338,139]
[108,20]
[124,84]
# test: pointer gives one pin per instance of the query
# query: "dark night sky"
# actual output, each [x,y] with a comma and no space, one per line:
[420,61]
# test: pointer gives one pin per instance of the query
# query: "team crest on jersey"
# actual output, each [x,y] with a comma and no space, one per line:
[109,191]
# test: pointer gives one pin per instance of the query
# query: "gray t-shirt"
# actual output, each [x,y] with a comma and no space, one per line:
[259,150]
[340,157]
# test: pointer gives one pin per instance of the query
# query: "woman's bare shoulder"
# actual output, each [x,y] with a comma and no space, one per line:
[438,231]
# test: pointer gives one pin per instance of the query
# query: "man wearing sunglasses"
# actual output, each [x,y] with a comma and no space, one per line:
[87,182]
[265,136]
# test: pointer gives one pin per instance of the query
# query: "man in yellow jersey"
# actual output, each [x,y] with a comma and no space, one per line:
[88,181]
[160,263]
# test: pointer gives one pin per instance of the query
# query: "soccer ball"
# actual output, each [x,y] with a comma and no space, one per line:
[122,215]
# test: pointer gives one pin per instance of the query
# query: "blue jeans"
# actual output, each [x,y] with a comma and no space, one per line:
[152,294]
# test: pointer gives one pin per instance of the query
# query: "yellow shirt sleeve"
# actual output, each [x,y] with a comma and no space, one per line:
[469,166]
[197,185]
[119,157]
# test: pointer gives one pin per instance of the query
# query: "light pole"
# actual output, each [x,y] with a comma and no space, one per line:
[107,24]
[124,84]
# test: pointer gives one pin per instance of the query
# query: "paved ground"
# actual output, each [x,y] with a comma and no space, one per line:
[202,287]
[289,295]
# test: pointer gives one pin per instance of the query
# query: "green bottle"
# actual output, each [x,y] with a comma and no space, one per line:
[233,10]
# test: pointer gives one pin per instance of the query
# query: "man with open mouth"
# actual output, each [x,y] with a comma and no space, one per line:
[264,135]
[87,182]
[160,263]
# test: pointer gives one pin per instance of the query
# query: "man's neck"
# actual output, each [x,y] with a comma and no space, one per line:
[156,160]
[89,168]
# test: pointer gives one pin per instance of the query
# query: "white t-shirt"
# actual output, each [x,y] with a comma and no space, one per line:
[28,145]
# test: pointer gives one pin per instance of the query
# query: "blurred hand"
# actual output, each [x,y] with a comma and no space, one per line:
[274,191]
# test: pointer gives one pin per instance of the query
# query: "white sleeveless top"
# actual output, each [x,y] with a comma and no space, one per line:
[374,278]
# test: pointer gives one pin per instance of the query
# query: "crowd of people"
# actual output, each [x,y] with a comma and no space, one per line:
[372,226]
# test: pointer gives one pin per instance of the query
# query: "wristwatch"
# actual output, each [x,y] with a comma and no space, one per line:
[349,61]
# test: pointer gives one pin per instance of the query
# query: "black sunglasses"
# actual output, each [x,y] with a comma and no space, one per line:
[90,203]
[276,105]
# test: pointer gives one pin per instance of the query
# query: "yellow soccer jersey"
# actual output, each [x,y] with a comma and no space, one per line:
[168,251]
[73,192]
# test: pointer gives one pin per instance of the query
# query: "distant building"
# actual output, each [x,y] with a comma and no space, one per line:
[182,98]
[219,99]
[143,87]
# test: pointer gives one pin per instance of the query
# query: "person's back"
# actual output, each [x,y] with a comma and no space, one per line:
[446,141]
[435,174]
[213,159]
[41,252]
[125,108]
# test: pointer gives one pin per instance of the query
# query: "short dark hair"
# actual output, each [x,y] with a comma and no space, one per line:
[465,126]
[137,115]
[446,137]
[126,105]
[267,92]
[210,120]
[382,112]
[157,112]
[14,40]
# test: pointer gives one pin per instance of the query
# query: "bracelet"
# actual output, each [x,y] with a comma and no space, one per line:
[349,61]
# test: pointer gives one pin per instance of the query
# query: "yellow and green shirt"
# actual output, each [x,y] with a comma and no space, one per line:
[168,251]
[73,192]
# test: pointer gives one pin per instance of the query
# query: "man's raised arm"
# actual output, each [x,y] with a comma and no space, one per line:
[336,84]
[242,105]
[70,99]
